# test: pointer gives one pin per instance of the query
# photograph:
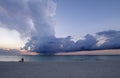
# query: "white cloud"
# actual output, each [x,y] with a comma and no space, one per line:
[10,39]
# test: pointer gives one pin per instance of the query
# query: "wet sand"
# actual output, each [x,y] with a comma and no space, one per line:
[81,69]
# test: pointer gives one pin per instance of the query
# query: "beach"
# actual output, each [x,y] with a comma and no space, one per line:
[79,69]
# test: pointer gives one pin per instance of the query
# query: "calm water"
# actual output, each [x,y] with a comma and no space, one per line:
[60,58]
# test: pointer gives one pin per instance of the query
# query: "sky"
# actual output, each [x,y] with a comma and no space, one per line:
[80,17]
[59,25]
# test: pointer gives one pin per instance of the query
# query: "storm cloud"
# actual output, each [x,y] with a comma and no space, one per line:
[112,39]
[34,19]
[100,41]
[28,17]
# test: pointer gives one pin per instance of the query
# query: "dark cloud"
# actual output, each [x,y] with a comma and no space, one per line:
[54,45]
[87,44]
[51,45]
[113,39]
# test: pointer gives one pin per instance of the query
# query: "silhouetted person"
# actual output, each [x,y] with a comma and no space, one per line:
[22,59]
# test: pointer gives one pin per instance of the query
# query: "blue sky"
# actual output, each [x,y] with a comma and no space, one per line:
[80,17]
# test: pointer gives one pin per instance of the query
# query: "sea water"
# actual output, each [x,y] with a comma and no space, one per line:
[50,58]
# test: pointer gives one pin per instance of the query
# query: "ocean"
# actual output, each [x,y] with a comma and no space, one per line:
[42,58]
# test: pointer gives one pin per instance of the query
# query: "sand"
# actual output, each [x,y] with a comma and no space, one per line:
[82,69]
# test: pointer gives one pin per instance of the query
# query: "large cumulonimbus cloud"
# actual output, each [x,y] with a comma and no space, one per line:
[28,17]
[31,18]
[34,19]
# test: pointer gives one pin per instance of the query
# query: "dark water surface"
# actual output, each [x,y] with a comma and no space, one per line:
[39,58]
